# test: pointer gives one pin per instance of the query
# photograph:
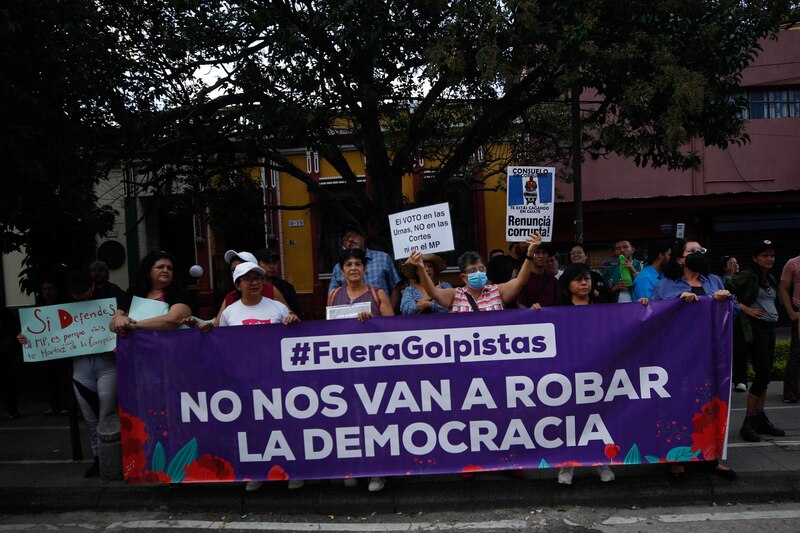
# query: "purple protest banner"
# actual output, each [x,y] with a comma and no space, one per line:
[599,384]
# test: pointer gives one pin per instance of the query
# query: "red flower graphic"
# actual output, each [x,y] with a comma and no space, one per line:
[468,472]
[152,476]
[132,437]
[709,429]
[611,451]
[209,468]
[277,473]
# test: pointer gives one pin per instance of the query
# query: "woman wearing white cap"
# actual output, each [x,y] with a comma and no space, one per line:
[254,307]
[234,259]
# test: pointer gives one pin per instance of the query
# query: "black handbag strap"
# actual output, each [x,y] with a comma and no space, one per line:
[472,302]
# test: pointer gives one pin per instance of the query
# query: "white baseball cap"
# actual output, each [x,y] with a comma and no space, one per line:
[243,268]
[242,256]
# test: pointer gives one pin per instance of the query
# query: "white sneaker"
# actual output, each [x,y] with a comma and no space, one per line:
[350,481]
[741,387]
[565,475]
[295,483]
[376,484]
[253,486]
[605,473]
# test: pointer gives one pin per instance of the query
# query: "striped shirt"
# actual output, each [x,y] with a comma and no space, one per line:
[488,300]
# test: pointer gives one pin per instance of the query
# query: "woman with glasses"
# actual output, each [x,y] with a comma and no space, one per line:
[253,307]
[688,277]
[754,332]
[476,294]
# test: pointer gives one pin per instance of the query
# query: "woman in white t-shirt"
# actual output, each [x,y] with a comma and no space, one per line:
[254,308]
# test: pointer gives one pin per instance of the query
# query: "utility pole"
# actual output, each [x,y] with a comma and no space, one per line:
[577,157]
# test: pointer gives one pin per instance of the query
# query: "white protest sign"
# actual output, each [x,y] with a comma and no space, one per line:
[531,202]
[336,312]
[68,330]
[427,229]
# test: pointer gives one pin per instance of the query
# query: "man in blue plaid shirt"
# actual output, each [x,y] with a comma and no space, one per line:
[380,273]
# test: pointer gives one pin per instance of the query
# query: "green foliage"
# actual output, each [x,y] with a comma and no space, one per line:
[779,366]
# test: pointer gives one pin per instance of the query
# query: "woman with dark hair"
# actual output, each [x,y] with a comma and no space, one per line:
[600,291]
[476,294]
[688,277]
[155,281]
[353,262]
[754,331]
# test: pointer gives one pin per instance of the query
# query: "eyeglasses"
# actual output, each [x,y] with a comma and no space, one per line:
[475,269]
[696,250]
[251,279]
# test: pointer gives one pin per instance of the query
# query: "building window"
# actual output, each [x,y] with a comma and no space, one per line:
[777,103]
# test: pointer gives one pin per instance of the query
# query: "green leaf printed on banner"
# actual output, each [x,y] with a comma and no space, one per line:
[633,457]
[543,463]
[159,460]
[681,453]
[183,458]
[651,458]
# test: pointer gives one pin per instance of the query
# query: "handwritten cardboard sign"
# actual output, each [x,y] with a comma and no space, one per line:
[530,202]
[68,330]
[427,229]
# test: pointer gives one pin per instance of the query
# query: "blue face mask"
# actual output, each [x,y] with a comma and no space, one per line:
[477,280]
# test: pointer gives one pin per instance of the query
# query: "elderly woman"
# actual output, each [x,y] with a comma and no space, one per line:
[155,281]
[688,277]
[415,298]
[754,332]
[476,295]
[353,263]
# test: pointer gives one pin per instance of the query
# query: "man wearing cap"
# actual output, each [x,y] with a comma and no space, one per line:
[381,272]
[542,287]
[790,296]
[254,308]
[269,261]
[103,288]
[620,291]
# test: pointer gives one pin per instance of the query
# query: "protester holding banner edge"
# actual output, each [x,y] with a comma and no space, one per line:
[688,277]
[155,281]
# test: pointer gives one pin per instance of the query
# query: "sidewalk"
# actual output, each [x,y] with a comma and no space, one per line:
[38,475]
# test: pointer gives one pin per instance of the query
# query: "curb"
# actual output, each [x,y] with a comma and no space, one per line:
[410,495]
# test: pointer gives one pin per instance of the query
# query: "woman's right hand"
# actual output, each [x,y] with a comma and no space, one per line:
[416,259]
[687,296]
[366,315]
[121,325]
[424,305]
[22,339]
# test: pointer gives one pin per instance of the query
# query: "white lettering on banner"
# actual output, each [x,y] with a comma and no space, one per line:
[551,390]
[277,446]
[433,346]
[420,438]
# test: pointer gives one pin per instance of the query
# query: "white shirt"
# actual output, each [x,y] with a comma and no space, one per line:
[266,311]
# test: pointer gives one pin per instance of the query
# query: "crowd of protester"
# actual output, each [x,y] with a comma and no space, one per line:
[528,276]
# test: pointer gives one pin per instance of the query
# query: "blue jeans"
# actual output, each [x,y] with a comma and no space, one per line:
[94,379]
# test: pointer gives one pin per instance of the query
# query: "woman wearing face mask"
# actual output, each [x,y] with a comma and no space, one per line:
[754,332]
[476,295]
[688,277]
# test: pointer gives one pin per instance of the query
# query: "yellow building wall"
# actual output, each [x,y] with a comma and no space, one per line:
[296,240]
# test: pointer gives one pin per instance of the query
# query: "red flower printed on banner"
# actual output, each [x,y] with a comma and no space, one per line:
[709,429]
[153,476]
[566,464]
[277,473]
[611,451]
[469,471]
[209,468]
[133,437]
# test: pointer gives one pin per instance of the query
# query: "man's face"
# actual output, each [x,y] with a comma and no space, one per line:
[270,268]
[521,248]
[552,265]
[540,258]
[624,248]
[99,275]
[82,296]
[352,239]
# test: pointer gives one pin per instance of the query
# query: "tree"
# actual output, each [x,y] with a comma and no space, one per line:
[61,86]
